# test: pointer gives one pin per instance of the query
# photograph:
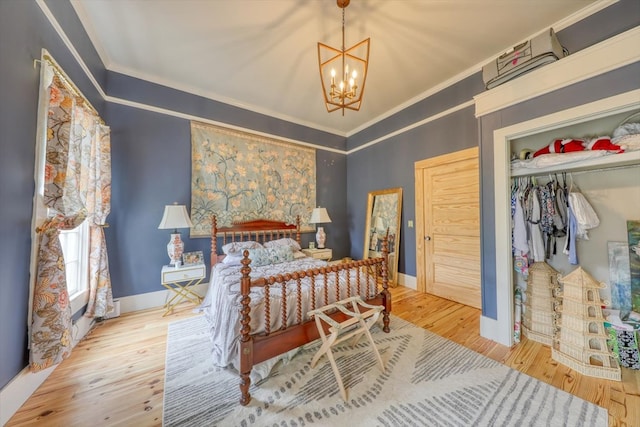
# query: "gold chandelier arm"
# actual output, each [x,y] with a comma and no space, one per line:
[342,89]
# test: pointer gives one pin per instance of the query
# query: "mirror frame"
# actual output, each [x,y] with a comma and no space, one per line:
[393,251]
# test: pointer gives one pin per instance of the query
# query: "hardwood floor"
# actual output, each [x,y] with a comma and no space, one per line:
[115,376]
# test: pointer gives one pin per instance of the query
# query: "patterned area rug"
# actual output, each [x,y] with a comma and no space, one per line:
[428,381]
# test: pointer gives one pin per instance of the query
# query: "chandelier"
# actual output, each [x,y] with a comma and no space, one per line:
[343,72]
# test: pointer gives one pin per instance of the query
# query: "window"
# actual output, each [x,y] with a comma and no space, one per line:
[75,247]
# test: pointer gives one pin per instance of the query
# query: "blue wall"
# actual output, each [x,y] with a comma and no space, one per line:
[461,130]
[24,31]
[144,143]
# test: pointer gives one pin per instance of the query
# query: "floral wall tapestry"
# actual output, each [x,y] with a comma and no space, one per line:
[242,177]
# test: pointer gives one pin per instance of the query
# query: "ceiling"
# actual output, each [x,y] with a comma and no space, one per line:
[261,54]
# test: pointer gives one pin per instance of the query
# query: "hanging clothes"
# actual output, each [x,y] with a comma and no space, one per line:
[570,242]
[586,217]
[520,241]
[536,239]
[547,213]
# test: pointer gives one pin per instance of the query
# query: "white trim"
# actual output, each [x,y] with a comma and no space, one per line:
[581,14]
[600,58]
[69,45]
[489,329]
[186,116]
[153,299]
[502,173]
[22,386]
[18,390]
[79,300]
[408,281]
[412,126]
[564,23]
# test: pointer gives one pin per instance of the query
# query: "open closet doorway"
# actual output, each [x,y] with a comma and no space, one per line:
[448,226]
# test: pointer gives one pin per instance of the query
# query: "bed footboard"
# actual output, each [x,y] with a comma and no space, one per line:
[367,278]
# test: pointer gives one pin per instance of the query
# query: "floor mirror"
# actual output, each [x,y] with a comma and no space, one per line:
[384,209]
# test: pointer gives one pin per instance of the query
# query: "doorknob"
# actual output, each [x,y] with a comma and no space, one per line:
[427,237]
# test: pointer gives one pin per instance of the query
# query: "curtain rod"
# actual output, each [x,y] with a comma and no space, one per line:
[68,83]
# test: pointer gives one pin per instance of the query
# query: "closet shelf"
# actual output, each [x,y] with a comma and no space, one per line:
[611,161]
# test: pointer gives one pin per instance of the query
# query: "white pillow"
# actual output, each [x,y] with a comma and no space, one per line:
[238,247]
[233,259]
[298,254]
[286,241]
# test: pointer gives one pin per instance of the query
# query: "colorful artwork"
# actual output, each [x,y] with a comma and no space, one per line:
[241,177]
[619,278]
[633,230]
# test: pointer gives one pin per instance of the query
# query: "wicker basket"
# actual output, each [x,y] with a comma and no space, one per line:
[539,319]
[581,338]
[587,368]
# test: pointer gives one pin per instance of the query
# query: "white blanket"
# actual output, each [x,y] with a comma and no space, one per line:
[221,305]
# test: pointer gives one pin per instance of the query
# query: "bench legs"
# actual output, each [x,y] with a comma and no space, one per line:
[358,324]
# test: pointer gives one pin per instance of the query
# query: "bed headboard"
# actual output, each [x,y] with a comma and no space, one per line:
[259,230]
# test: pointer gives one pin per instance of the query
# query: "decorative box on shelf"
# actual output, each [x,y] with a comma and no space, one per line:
[324,254]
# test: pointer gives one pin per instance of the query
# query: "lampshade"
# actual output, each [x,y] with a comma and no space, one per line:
[319,216]
[175,216]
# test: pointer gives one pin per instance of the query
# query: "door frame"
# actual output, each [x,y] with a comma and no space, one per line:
[419,167]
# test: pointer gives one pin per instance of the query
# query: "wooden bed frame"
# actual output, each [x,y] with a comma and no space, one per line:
[257,348]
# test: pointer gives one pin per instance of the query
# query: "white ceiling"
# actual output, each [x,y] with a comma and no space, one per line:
[262,55]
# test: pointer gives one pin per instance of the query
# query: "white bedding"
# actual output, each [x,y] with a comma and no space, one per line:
[221,305]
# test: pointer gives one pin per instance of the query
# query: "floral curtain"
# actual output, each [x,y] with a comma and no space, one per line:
[99,204]
[73,171]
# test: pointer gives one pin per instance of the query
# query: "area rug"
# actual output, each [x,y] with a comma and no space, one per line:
[428,381]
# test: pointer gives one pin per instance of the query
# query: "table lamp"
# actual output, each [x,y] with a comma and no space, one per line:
[175,216]
[320,216]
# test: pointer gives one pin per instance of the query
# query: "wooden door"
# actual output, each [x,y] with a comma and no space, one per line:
[448,227]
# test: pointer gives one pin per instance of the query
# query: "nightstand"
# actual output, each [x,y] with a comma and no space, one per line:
[180,280]
[324,254]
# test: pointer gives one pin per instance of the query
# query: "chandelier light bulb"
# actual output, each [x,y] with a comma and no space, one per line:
[337,95]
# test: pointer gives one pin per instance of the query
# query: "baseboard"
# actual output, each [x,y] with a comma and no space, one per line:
[153,299]
[408,281]
[489,328]
[23,385]
[18,390]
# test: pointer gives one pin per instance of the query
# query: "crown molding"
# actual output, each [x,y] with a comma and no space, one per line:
[595,60]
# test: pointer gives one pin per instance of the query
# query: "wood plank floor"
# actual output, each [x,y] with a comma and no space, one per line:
[115,376]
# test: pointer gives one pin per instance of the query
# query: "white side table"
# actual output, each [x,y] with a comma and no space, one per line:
[325,254]
[180,280]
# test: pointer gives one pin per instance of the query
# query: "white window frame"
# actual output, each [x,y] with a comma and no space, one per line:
[80,281]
